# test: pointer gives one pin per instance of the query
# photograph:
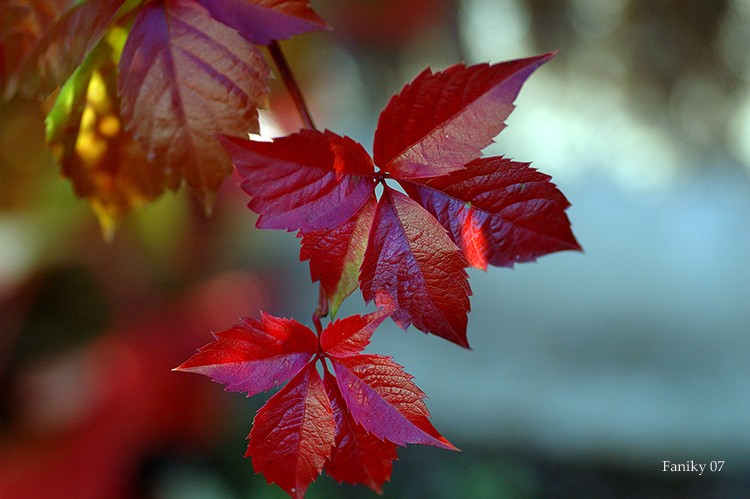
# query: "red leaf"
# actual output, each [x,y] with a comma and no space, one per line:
[309,180]
[335,255]
[261,21]
[350,424]
[61,45]
[256,355]
[183,77]
[349,336]
[499,211]
[359,457]
[381,397]
[441,121]
[412,265]
[293,434]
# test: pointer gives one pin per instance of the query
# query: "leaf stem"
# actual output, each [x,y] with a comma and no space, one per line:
[299,100]
[322,309]
[291,84]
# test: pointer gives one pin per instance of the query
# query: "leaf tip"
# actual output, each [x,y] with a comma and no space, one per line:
[109,220]
[448,446]
[208,199]
[576,246]
[185,367]
[181,368]
[108,232]
[462,341]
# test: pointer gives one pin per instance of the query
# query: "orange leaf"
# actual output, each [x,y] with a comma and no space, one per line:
[87,137]
[184,77]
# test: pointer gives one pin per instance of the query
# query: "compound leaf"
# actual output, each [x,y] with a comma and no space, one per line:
[350,424]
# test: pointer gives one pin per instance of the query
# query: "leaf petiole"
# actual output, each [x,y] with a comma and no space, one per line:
[291,84]
[322,310]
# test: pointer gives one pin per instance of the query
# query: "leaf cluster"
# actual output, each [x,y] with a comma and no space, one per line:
[154,94]
[348,424]
[409,251]
[143,87]
[442,208]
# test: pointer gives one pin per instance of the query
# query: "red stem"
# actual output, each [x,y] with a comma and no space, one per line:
[322,309]
[304,112]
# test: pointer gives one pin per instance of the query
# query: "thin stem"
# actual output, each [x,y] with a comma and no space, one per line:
[322,309]
[304,113]
[291,84]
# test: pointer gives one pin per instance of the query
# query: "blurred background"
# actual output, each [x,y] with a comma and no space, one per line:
[588,371]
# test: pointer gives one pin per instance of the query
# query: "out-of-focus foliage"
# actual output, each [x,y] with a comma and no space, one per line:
[145,87]
[88,139]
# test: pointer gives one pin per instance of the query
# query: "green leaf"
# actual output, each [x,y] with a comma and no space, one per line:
[87,137]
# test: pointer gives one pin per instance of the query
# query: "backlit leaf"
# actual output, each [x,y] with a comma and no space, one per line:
[499,212]
[183,77]
[306,181]
[261,21]
[350,423]
[63,45]
[293,434]
[413,266]
[381,397]
[349,336]
[336,255]
[359,456]
[22,25]
[441,121]
[87,137]
[255,355]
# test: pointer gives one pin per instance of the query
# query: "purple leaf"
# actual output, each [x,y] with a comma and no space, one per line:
[261,21]
[412,265]
[256,355]
[306,181]
[382,398]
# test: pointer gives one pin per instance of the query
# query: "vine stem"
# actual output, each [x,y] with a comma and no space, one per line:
[291,84]
[322,309]
[299,101]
